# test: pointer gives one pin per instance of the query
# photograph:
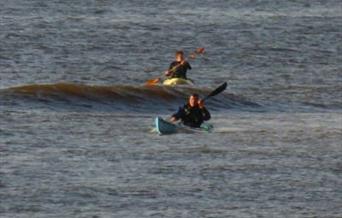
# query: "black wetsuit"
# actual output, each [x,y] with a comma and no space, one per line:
[192,116]
[179,70]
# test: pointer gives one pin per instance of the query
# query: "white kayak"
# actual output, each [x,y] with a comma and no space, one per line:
[177,81]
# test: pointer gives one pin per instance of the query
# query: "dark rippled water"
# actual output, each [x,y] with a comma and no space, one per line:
[75,115]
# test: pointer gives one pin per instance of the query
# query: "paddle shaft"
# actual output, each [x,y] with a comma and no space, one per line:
[217,91]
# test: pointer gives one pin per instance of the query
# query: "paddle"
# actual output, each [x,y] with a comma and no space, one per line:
[217,91]
[192,55]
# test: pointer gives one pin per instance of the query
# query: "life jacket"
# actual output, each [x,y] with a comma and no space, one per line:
[179,71]
[193,116]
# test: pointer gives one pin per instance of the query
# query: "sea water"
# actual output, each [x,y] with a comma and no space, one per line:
[76,117]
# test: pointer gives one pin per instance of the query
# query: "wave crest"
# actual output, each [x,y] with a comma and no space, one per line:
[66,95]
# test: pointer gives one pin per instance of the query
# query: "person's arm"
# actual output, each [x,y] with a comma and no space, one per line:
[178,115]
[172,68]
[173,119]
[188,65]
[205,113]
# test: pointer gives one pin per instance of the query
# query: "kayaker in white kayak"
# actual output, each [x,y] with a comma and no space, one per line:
[193,113]
[178,67]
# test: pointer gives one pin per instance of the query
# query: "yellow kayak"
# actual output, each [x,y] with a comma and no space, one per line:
[177,81]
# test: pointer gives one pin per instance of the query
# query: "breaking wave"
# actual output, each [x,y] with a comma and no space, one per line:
[116,97]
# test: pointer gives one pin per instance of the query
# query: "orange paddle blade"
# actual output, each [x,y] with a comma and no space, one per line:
[200,50]
[152,81]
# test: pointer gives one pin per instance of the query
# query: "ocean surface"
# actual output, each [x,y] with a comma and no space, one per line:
[76,115]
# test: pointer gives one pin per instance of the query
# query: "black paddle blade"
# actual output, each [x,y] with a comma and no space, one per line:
[218,90]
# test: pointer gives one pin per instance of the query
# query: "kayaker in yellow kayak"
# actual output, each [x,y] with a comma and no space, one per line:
[178,67]
[193,113]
